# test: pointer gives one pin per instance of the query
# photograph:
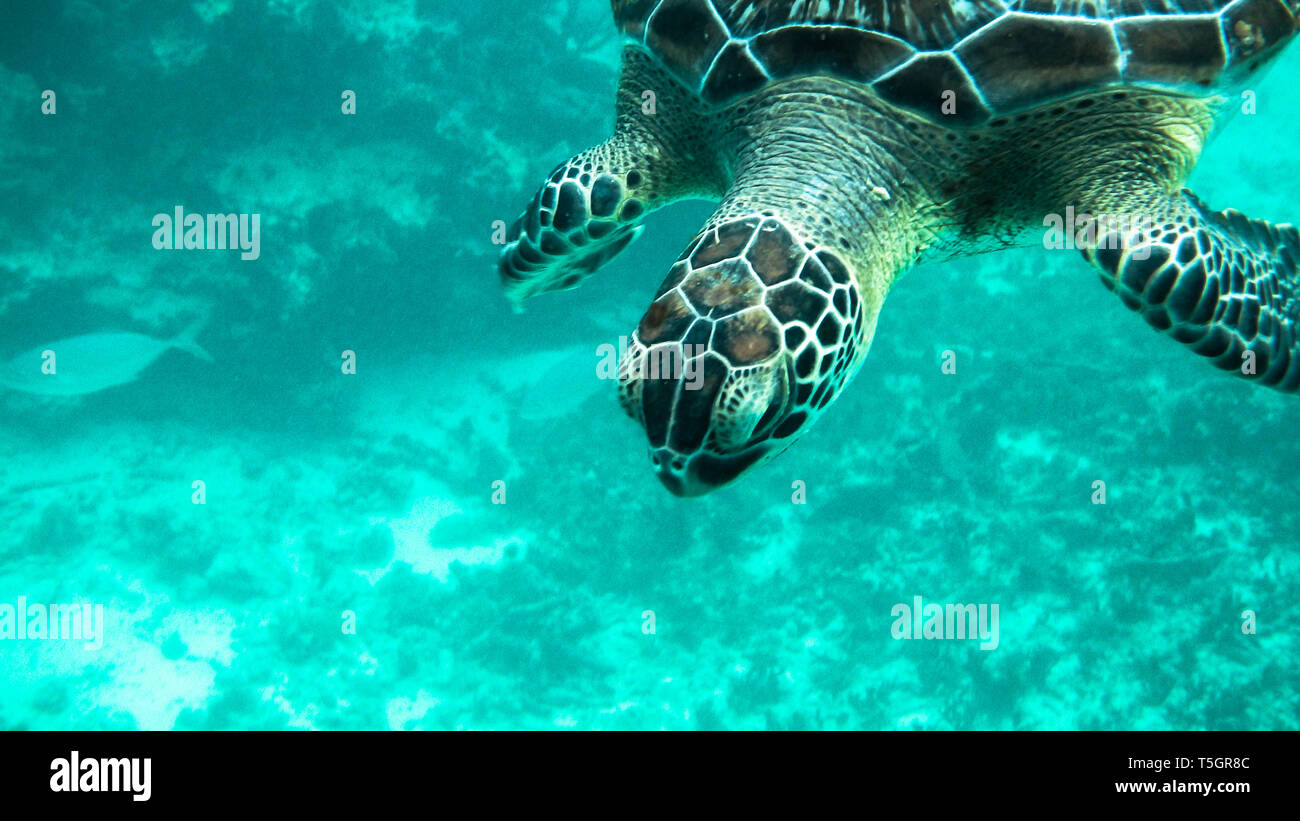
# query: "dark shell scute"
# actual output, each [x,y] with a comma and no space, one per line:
[814,273]
[796,301]
[667,319]
[851,53]
[686,35]
[722,291]
[958,63]
[657,408]
[747,338]
[675,276]
[694,407]
[1172,49]
[834,267]
[926,24]
[1254,26]
[630,15]
[1024,59]
[723,243]
[734,74]
[774,255]
[928,83]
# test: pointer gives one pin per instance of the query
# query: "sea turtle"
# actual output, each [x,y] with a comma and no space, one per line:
[849,140]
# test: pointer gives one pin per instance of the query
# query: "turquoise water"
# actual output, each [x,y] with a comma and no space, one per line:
[348,567]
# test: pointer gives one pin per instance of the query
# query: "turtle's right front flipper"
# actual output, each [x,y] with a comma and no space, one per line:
[592,205]
[1225,284]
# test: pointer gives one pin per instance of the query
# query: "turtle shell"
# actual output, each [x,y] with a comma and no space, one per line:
[979,58]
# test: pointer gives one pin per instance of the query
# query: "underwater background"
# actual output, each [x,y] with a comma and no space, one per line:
[349,569]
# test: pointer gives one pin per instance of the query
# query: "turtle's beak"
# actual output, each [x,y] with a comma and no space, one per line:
[710,440]
[704,474]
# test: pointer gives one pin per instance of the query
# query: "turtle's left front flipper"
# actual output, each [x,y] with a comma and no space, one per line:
[591,206]
[1225,284]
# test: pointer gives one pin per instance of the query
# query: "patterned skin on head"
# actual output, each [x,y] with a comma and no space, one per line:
[751,336]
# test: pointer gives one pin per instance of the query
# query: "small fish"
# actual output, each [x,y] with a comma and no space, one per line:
[92,362]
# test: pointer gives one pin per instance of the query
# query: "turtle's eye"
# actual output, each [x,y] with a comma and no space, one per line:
[749,338]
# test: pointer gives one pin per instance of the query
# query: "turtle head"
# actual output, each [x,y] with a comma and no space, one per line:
[754,332]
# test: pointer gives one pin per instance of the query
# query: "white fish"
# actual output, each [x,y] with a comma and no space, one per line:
[92,362]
